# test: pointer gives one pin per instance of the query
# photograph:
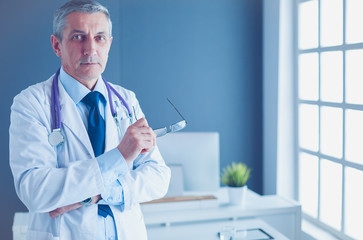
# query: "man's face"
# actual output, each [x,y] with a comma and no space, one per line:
[84,47]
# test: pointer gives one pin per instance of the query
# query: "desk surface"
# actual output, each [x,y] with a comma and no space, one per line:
[256,205]
[209,230]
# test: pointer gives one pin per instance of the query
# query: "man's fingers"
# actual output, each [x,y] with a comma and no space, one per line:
[61,210]
[55,213]
[149,144]
[139,138]
[141,123]
[143,136]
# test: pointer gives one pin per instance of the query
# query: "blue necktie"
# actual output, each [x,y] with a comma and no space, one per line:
[96,133]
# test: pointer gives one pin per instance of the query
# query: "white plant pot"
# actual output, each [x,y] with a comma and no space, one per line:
[237,195]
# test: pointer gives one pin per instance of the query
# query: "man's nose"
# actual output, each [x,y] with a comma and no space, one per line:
[89,47]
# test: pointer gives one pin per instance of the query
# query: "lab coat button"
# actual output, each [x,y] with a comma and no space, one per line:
[109,199]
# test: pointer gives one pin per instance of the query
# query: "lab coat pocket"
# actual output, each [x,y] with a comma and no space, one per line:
[124,122]
[36,235]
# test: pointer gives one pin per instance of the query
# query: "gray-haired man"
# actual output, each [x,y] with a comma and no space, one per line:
[85,183]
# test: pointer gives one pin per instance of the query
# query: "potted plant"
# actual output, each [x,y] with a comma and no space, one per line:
[235,176]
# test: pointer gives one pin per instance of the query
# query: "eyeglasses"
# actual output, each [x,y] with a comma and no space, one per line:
[172,128]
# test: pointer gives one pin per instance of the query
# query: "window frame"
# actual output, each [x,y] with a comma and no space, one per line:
[319,103]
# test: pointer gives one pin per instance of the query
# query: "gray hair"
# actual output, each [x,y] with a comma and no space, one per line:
[84,6]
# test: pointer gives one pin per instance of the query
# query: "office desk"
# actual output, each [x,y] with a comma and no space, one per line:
[281,214]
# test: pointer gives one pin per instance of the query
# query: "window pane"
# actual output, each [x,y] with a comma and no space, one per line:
[331,77]
[354,76]
[354,19]
[353,203]
[331,22]
[331,138]
[309,127]
[331,193]
[308,183]
[354,136]
[309,76]
[308,24]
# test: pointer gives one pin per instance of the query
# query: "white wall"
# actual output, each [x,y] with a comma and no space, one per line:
[278,80]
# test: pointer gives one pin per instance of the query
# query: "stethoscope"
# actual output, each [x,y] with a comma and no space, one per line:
[56,137]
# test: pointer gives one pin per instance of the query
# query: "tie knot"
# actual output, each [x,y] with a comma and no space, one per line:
[92,98]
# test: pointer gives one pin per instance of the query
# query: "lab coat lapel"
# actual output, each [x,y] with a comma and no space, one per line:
[111,138]
[72,120]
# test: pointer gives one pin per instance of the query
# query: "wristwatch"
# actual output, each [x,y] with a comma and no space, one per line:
[87,202]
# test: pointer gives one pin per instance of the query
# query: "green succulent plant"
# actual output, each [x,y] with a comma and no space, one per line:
[235,175]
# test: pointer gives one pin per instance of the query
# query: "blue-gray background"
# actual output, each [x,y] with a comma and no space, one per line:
[205,55]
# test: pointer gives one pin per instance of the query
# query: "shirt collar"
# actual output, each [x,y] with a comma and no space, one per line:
[76,90]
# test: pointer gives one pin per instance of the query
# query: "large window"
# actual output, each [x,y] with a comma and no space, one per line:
[330,114]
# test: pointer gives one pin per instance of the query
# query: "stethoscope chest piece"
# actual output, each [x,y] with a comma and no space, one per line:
[55,137]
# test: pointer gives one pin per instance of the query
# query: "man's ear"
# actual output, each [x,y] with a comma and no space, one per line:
[55,44]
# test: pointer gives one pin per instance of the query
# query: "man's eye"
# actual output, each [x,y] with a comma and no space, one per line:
[102,38]
[77,37]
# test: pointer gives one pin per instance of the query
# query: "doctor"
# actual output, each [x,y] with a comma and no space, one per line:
[86,181]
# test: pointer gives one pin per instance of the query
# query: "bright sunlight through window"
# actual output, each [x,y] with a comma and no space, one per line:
[330,114]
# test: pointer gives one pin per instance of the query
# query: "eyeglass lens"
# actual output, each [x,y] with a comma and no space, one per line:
[173,128]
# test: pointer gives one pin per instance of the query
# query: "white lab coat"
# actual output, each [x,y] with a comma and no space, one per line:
[48,177]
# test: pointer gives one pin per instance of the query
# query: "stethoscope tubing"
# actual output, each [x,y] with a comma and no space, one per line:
[111,89]
[55,105]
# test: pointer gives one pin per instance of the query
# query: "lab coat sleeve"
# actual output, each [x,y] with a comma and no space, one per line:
[112,165]
[147,179]
[113,194]
[39,182]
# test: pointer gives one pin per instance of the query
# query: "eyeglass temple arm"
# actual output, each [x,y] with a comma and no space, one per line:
[175,108]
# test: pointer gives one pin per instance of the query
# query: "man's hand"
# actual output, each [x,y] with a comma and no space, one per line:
[139,138]
[61,210]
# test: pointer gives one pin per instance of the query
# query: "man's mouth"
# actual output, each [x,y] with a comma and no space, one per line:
[89,61]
